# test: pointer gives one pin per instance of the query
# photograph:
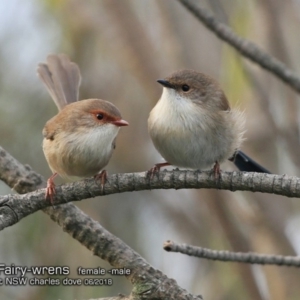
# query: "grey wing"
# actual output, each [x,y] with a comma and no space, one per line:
[61,78]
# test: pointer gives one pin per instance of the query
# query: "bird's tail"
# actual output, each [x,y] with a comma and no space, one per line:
[245,163]
[61,78]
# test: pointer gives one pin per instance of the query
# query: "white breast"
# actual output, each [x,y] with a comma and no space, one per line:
[186,135]
[81,154]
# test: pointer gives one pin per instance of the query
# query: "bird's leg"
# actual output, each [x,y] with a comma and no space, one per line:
[156,169]
[216,170]
[102,176]
[50,189]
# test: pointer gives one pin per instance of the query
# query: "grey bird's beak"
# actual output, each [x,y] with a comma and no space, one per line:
[165,83]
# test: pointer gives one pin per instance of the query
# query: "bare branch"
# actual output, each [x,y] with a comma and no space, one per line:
[120,297]
[19,177]
[146,280]
[250,257]
[243,46]
[148,283]
[15,207]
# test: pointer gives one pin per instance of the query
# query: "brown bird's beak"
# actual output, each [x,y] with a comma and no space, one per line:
[165,83]
[120,123]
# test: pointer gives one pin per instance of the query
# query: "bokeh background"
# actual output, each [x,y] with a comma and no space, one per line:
[122,48]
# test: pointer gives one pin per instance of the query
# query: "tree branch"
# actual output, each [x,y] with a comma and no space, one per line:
[13,208]
[250,257]
[148,283]
[146,280]
[243,46]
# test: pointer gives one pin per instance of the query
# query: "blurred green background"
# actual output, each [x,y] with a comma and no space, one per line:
[122,48]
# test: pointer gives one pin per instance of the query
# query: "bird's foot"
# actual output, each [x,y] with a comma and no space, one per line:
[154,170]
[50,189]
[102,176]
[216,170]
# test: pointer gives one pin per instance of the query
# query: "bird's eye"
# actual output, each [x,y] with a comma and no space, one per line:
[185,88]
[99,116]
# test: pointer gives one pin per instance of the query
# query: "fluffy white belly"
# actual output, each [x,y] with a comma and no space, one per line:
[196,150]
[81,154]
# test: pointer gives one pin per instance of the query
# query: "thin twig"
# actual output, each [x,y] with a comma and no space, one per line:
[250,257]
[243,46]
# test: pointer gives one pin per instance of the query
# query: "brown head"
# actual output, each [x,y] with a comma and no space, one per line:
[84,115]
[197,87]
